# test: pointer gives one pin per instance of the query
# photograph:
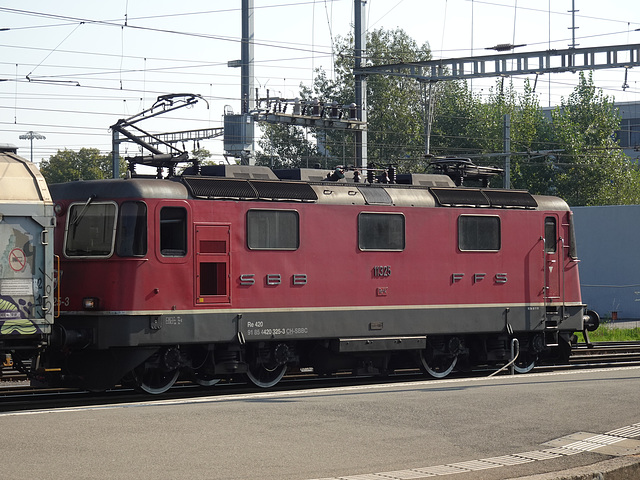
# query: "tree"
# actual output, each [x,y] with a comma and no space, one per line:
[459,124]
[395,122]
[592,169]
[202,155]
[574,155]
[466,125]
[286,146]
[86,164]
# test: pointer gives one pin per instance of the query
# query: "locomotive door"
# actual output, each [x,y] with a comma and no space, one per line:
[212,264]
[552,261]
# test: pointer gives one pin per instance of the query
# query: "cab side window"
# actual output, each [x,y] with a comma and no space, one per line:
[550,235]
[173,232]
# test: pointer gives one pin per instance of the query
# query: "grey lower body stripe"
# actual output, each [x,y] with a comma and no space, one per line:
[587,444]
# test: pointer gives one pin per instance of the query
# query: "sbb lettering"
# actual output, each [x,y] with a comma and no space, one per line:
[272,279]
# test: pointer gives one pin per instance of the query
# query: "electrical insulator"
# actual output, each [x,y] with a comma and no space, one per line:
[353,112]
[334,109]
[370,176]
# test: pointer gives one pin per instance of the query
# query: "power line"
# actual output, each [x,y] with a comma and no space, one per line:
[294,46]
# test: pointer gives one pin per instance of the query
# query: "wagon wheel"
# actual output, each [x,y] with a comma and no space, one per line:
[438,366]
[264,370]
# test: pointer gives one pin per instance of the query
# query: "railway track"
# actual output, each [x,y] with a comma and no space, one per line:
[15,385]
[605,352]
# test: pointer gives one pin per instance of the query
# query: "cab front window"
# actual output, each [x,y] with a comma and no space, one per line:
[131,239]
[91,229]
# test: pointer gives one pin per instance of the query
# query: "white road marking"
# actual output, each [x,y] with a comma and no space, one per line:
[587,445]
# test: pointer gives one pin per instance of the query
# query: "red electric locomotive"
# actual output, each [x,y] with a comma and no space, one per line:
[232,270]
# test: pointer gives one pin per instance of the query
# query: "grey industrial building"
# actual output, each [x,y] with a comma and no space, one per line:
[607,239]
[629,133]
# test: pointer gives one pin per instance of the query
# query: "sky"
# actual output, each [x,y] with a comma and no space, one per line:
[71,69]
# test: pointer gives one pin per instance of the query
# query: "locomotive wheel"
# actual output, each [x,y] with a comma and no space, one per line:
[439,366]
[528,354]
[264,372]
[153,379]
[525,363]
[263,376]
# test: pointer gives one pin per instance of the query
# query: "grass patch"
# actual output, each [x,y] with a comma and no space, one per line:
[606,332]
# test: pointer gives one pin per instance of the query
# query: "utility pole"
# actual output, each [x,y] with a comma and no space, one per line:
[360,83]
[507,151]
[246,57]
[428,121]
[247,78]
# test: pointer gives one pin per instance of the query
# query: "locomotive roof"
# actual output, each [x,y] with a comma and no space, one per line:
[119,188]
[20,180]
[424,191]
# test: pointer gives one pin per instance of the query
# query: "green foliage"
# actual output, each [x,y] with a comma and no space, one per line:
[457,126]
[202,155]
[592,170]
[573,154]
[607,333]
[86,164]
[286,146]
[395,105]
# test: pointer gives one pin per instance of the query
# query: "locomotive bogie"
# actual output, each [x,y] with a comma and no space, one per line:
[351,275]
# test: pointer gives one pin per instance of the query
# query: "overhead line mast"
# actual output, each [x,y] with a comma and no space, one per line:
[360,43]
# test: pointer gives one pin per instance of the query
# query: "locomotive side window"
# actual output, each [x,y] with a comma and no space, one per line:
[273,230]
[90,230]
[550,235]
[173,232]
[131,238]
[381,231]
[478,233]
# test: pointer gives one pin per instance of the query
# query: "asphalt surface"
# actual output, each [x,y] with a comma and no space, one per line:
[480,428]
